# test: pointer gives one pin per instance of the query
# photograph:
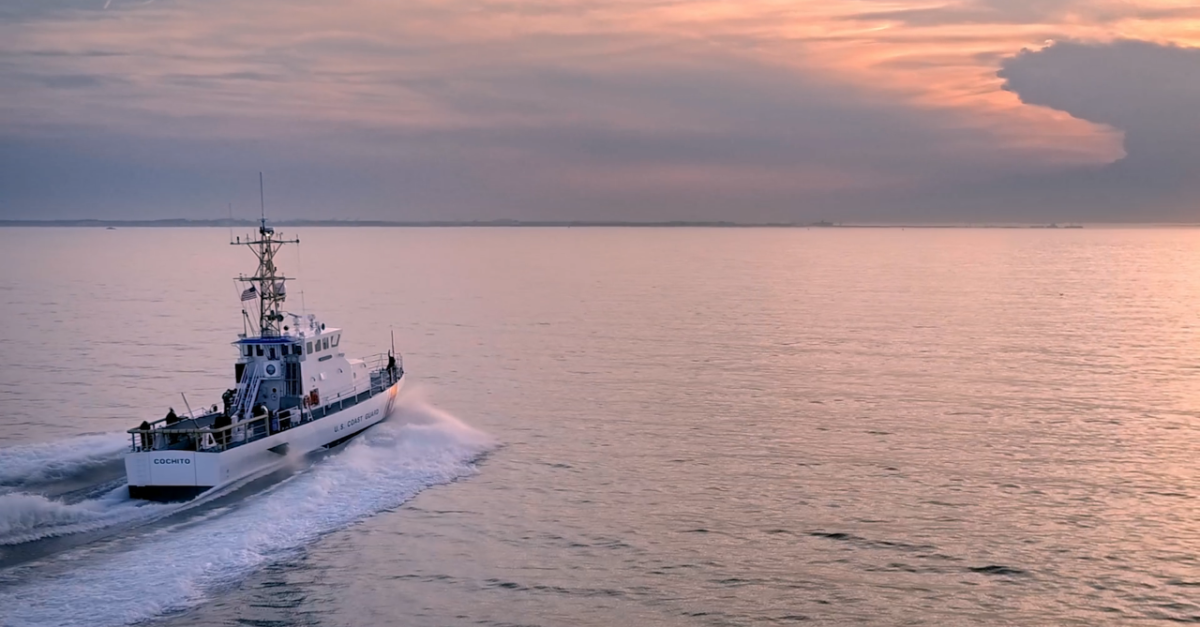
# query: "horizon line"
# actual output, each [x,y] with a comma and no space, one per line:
[514,223]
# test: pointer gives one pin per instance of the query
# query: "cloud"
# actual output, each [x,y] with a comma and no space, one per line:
[688,138]
[1147,90]
[496,108]
[29,10]
[975,12]
[1055,13]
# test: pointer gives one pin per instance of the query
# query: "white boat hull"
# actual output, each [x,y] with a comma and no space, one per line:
[167,475]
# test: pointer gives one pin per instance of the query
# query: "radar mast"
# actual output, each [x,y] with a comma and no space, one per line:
[267,286]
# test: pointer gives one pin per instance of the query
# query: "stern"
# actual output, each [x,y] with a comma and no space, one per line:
[170,475]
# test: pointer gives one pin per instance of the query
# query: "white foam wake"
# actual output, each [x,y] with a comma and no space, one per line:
[43,462]
[175,569]
[28,517]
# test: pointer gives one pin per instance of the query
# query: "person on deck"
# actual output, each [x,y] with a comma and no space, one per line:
[221,422]
[145,429]
[170,421]
[227,399]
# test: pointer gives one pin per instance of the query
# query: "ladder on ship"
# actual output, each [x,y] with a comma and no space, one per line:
[249,393]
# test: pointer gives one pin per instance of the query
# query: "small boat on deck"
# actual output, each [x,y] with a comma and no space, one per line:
[296,392]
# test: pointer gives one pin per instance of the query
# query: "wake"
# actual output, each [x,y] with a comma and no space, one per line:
[175,568]
[30,465]
[30,517]
[80,464]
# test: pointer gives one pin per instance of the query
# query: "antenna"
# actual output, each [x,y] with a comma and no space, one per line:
[300,273]
[189,407]
[267,284]
[393,341]
[262,199]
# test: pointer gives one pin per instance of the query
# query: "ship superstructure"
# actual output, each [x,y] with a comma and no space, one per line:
[296,391]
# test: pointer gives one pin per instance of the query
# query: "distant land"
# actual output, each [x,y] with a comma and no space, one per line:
[183,222]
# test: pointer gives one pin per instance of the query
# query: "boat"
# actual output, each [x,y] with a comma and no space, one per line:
[296,393]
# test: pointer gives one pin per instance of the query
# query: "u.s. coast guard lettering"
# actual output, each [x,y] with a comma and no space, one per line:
[354,421]
[276,408]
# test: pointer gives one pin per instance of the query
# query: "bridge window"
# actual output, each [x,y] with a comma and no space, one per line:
[337,338]
[310,348]
[272,352]
[259,351]
[325,344]
[248,351]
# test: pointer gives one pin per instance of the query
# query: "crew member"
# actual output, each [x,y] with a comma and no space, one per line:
[221,422]
[227,399]
[145,429]
[170,421]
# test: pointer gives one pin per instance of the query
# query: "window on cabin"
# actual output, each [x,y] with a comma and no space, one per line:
[310,348]
[272,352]
[247,351]
[259,351]
[325,344]
[337,338]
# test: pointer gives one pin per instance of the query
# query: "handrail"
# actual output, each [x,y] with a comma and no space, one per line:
[203,430]
[378,361]
[249,392]
[222,435]
[332,397]
[337,396]
[179,419]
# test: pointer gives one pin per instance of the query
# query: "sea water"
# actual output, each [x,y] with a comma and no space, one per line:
[640,426]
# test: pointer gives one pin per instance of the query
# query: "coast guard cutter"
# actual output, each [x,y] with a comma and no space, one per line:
[296,392]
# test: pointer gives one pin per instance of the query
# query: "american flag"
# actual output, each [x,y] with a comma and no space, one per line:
[249,293]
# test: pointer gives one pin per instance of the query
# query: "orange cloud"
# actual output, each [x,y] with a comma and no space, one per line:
[273,70]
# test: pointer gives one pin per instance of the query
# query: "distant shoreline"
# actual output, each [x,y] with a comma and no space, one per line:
[224,223]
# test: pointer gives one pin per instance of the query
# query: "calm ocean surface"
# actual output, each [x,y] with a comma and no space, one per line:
[627,427]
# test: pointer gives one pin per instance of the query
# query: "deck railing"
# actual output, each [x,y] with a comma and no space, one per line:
[215,440]
[159,437]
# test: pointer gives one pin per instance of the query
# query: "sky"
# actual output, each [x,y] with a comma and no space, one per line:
[752,110]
